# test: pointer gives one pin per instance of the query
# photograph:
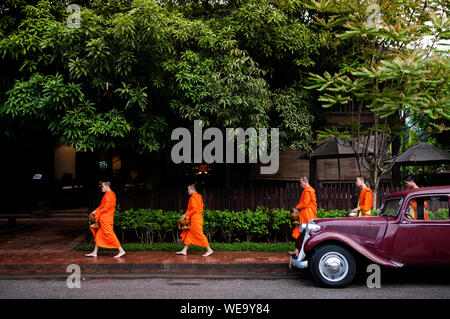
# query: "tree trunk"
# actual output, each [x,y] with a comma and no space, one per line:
[376,181]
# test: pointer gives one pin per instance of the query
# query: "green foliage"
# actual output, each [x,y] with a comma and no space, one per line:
[280,217]
[293,105]
[230,222]
[263,224]
[253,223]
[136,69]
[147,223]
[321,213]
[394,71]
[280,223]
[331,214]
[211,223]
[389,71]
[439,214]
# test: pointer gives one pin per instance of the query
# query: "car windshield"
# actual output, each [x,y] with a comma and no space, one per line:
[391,207]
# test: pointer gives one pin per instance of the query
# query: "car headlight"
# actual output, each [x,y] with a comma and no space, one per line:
[313,228]
[302,227]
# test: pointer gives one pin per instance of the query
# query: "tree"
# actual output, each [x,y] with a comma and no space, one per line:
[385,68]
[134,70]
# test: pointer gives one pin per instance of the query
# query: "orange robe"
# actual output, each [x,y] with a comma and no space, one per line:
[365,202]
[105,236]
[413,206]
[307,207]
[194,213]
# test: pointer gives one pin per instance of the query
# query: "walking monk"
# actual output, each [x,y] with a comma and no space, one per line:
[365,198]
[105,236]
[194,214]
[307,206]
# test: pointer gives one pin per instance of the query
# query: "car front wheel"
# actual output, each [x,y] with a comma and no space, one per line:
[333,266]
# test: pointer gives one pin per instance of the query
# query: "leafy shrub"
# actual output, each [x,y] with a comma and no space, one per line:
[440,214]
[253,223]
[211,222]
[230,224]
[331,213]
[262,224]
[281,222]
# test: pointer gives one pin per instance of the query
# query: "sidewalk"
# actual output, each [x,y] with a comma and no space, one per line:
[43,247]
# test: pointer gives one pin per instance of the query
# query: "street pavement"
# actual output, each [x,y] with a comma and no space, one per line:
[394,285]
[34,261]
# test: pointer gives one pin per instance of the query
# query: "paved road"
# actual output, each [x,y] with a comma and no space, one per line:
[392,286]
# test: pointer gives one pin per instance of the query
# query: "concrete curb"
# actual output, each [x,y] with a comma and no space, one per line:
[156,276]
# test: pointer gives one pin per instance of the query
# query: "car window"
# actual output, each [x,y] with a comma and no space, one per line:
[391,207]
[428,208]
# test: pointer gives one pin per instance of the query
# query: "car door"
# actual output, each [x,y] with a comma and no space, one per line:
[423,234]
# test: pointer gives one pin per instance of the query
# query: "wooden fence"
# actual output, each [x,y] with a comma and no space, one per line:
[330,196]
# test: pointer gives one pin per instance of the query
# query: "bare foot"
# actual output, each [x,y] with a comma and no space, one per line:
[119,255]
[181,253]
[208,253]
[91,255]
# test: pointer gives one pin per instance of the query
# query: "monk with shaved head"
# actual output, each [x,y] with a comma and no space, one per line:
[194,214]
[307,207]
[104,214]
[365,198]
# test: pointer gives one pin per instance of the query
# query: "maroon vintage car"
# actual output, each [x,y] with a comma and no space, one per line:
[412,228]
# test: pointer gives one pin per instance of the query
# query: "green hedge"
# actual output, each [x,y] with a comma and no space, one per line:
[440,214]
[261,225]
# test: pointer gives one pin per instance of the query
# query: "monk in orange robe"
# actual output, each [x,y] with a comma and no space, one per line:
[105,236]
[307,207]
[411,184]
[194,214]
[413,208]
[365,198]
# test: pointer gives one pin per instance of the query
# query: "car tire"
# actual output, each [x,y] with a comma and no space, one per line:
[332,266]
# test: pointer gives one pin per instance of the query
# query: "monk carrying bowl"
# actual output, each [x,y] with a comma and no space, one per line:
[93,222]
[295,218]
[183,224]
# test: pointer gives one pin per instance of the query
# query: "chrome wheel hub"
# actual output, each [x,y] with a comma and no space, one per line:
[333,266]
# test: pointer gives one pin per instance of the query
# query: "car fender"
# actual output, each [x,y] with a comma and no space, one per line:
[322,237]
